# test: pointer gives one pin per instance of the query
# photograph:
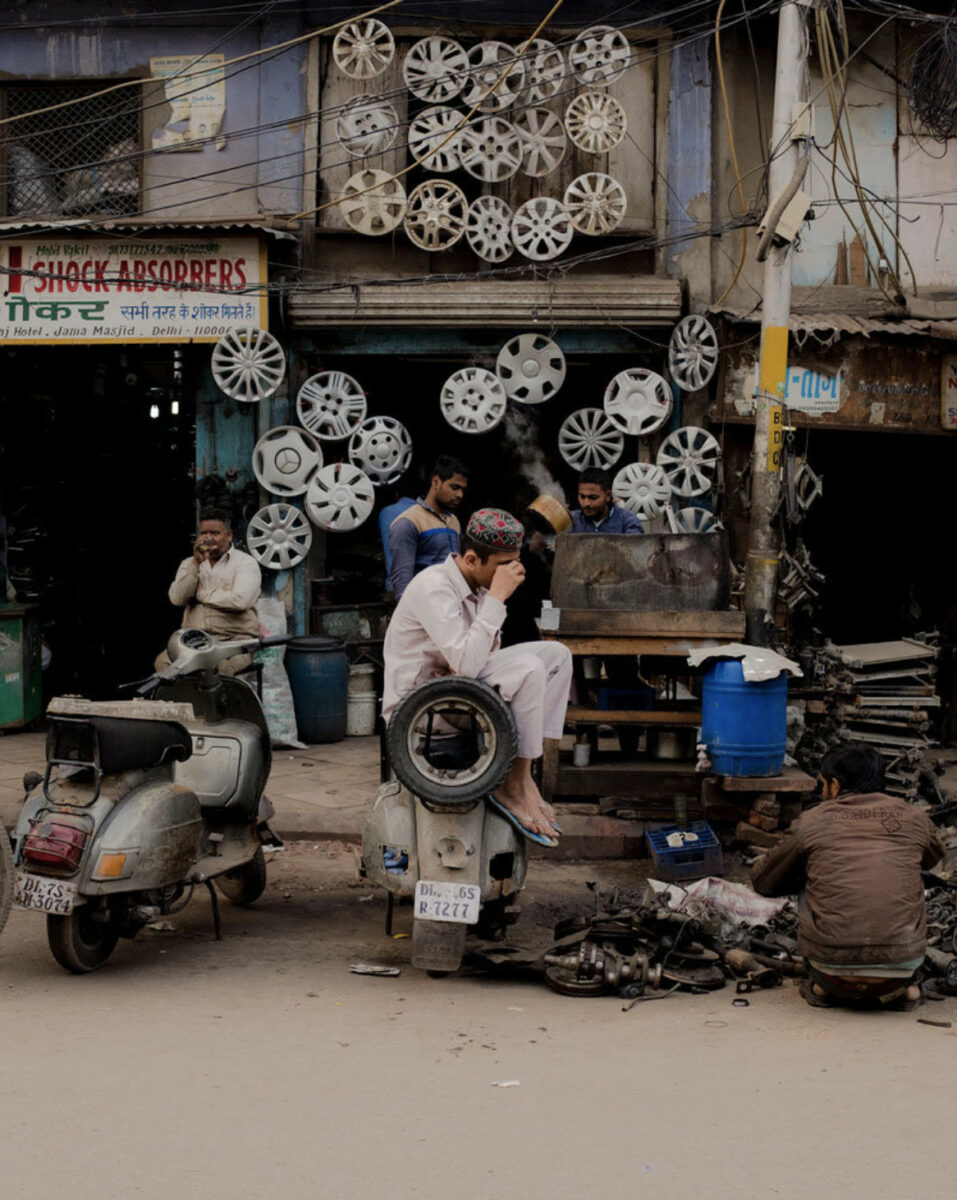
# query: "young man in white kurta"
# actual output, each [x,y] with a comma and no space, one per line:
[448,622]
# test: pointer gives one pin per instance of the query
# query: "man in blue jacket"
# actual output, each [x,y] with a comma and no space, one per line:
[596,513]
[428,531]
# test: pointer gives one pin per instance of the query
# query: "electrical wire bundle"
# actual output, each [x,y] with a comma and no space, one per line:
[933,87]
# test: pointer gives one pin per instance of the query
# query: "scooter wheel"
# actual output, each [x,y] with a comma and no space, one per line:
[247,883]
[464,701]
[80,944]
[6,876]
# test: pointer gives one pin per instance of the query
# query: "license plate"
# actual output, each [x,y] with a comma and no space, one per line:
[444,901]
[48,895]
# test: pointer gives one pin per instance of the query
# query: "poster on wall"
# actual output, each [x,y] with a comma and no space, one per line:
[133,289]
[948,391]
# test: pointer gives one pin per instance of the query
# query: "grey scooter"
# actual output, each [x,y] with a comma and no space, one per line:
[430,837]
[144,799]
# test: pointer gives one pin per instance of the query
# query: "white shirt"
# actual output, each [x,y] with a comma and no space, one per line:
[224,594]
[439,627]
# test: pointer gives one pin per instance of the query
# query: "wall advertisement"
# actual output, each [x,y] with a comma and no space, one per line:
[133,289]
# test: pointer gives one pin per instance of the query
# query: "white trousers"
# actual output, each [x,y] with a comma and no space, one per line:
[534,677]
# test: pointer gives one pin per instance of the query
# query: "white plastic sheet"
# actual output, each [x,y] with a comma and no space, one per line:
[757,662]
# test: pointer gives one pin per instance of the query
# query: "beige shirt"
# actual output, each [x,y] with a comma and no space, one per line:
[219,597]
[439,627]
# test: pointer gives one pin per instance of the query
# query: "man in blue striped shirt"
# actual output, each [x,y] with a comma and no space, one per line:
[428,531]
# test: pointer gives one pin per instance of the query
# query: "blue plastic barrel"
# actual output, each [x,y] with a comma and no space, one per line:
[319,677]
[744,725]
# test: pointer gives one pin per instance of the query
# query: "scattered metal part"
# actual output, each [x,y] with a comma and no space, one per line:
[435,69]
[741,1002]
[936,1024]
[363,49]
[367,125]
[360,968]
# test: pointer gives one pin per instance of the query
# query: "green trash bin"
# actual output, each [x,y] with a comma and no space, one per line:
[21,678]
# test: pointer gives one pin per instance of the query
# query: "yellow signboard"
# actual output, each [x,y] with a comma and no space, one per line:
[775,436]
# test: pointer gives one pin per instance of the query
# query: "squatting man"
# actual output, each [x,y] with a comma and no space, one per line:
[449,622]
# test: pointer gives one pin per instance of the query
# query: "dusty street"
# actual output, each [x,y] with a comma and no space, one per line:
[261,1067]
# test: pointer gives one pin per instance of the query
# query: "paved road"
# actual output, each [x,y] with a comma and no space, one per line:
[260,1067]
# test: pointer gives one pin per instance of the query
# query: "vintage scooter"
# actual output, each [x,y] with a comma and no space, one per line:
[430,836]
[145,799]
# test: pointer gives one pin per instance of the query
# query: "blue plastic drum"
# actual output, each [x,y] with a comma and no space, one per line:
[319,677]
[744,725]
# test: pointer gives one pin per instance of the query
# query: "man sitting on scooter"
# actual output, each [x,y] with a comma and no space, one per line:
[448,621]
[217,587]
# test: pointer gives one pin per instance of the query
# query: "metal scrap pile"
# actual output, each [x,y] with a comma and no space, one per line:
[697,939]
[881,693]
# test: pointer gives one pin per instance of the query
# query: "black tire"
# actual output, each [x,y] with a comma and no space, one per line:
[247,883]
[6,876]
[437,946]
[466,696]
[80,944]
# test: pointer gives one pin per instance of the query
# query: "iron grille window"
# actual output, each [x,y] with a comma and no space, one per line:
[73,161]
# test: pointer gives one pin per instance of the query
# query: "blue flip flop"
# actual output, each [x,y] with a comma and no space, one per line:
[540,838]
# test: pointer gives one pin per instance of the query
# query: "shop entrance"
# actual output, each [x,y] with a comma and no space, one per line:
[880,534]
[96,491]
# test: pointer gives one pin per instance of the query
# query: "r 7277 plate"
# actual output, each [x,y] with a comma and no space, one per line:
[445,901]
[54,896]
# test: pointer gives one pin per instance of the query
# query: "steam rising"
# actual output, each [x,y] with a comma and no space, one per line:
[520,434]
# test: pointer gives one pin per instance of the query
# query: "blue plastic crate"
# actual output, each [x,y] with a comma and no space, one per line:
[692,860]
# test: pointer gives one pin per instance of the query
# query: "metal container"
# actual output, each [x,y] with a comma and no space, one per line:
[671,572]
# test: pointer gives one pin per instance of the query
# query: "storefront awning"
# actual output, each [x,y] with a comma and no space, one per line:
[100,225]
[828,313]
[581,302]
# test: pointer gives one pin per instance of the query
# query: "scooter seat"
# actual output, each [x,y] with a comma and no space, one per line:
[117,743]
[451,752]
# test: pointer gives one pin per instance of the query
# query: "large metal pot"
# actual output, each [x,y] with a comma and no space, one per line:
[684,572]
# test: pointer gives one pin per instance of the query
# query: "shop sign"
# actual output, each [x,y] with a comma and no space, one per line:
[812,391]
[948,391]
[806,389]
[130,290]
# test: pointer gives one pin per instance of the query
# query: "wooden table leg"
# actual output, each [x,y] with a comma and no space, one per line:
[549,767]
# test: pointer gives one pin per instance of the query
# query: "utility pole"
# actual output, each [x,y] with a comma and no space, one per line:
[790,113]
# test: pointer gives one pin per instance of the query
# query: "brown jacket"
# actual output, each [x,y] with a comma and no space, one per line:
[858,861]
